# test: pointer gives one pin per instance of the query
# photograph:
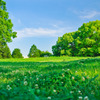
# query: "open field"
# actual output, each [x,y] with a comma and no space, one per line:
[52,78]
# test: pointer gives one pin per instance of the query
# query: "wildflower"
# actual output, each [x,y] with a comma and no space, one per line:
[43,79]
[73,77]
[8,87]
[36,85]
[37,79]
[54,90]
[79,92]
[86,98]
[75,71]
[49,98]
[18,79]
[62,82]
[80,98]
[25,83]
[68,69]
[83,78]
[71,92]
[63,75]
[25,76]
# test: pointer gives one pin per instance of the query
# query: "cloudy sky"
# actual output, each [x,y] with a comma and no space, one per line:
[41,22]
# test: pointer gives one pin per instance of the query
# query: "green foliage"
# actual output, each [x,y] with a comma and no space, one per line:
[84,42]
[71,80]
[5,51]
[16,53]
[6,25]
[45,54]
[6,32]
[56,50]
[34,52]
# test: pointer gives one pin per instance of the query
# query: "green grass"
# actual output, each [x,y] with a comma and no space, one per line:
[55,78]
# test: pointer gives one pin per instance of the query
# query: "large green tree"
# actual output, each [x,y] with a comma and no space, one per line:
[6,32]
[16,53]
[34,52]
[84,42]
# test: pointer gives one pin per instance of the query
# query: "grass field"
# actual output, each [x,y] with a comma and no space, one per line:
[50,78]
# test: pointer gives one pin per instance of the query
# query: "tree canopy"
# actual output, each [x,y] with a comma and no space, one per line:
[16,53]
[84,42]
[5,51]
[6,32]
[34,52]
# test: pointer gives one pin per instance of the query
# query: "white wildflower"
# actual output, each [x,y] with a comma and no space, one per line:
[54,90]
[37,79]
[36,85]
[75,71]
[25,82]
[68,69]
[8,87]
[62,82]
[86,98]
[49,98]
[80,98]
[79,92]
[71,92]
[63,75]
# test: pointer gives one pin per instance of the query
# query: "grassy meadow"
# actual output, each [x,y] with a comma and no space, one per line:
[50,78]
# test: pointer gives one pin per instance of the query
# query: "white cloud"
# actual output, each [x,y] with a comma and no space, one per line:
[37,32]
[88,14]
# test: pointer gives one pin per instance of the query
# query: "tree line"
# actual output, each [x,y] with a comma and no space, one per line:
[83,42]
[6,35]
[34,52]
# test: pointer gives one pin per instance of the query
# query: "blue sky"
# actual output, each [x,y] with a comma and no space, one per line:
[41,22]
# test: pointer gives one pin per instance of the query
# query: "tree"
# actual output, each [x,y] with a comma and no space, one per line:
[16,53]
[34,52]
[6,25]
[84,42]
[45,54]
[5,52]
[6,32]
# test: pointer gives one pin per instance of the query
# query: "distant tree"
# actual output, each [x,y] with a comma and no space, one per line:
[45,54]
[16,53]
[34,52]
[5,52]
